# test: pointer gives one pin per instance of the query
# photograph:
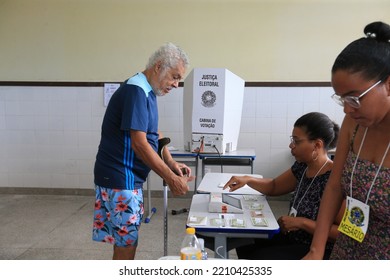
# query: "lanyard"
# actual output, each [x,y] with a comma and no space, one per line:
[377,172]
[300,182]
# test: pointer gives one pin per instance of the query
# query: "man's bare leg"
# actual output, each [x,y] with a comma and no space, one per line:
[124,253]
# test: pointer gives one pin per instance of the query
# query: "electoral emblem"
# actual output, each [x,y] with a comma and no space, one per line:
[356,216]
[208,98]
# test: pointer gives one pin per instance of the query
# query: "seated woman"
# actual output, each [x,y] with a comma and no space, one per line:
[312,136]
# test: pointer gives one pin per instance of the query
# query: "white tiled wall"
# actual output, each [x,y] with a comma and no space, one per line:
[49,135]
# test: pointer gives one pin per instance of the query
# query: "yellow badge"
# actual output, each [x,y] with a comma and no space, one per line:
[355,220]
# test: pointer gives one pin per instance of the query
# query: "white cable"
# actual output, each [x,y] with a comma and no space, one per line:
[216,251]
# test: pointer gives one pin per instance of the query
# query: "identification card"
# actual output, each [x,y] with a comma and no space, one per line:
[355,220]
[293,212]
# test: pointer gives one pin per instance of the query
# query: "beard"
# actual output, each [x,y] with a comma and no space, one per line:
[157,91]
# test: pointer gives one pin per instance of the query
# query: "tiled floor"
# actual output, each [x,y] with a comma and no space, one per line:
[58,227]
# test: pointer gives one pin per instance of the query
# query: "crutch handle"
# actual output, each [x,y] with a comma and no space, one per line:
[162,142]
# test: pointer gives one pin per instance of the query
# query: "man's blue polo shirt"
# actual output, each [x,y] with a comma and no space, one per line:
[132,107]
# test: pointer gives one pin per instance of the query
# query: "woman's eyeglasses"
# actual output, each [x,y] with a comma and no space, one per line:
[352,101]
[296,141]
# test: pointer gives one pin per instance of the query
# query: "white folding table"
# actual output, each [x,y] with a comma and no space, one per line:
[212,183]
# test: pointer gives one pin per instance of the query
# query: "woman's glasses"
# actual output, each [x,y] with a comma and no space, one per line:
[352,101]
[296,141]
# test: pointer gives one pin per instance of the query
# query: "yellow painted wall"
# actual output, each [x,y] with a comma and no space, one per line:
[108,40]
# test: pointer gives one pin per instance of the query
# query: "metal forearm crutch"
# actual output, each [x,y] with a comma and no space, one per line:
[161,145]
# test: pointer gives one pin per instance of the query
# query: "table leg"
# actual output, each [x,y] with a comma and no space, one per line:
[203,168]
[196,174]
[220,247]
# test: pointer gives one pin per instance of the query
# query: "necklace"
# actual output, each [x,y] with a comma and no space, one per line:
[300,182]
[377,172]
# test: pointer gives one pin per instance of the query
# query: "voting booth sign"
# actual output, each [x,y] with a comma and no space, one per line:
[213,99]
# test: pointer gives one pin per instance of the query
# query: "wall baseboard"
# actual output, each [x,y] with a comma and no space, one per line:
[46,191]
[81,192]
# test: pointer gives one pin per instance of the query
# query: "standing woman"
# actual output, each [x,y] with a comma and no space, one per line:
[312,136]
[361,172]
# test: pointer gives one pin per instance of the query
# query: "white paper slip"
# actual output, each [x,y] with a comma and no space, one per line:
[255,206]
[237,223]
[257,214]
[217,222]
[197,220]
[259,222]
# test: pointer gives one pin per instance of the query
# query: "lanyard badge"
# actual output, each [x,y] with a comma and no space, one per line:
[293,212]
[355,220]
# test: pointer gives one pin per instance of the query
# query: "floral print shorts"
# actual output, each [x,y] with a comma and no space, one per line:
[117,216]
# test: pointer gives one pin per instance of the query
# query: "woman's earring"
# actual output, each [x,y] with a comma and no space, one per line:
[314,157]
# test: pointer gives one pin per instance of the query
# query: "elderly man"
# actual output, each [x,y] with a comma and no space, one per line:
[128,151]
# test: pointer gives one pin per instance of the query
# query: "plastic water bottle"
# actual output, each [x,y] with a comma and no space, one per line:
[190,247]
[202,249]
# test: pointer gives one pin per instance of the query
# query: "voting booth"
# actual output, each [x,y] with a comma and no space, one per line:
[212,110]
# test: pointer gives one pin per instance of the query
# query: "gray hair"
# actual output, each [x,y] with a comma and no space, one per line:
[169,55]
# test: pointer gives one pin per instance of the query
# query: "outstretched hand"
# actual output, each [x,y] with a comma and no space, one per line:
[236,182]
